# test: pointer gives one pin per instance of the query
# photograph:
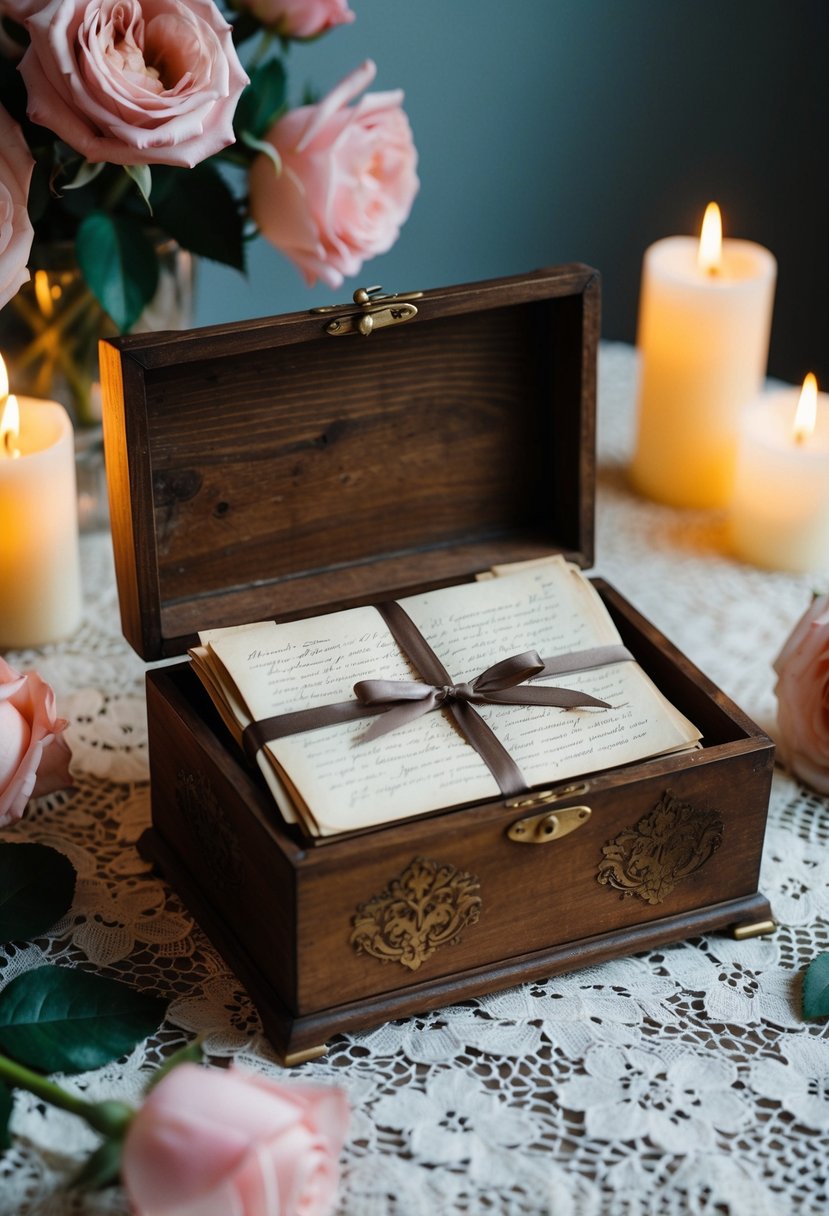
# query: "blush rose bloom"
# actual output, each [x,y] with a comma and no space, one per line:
[209,1142]
[16,230]
[299,18]
[134,81]
[802,691]
[34,759]
[347,183]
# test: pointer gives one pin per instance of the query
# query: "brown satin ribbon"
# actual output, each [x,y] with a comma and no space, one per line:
[401,701]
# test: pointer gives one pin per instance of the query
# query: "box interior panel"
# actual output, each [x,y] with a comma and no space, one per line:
[303,461]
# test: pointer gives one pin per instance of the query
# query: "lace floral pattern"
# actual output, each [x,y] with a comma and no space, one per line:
[682,1080]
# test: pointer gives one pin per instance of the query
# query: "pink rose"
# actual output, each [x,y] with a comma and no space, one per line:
[299,18]
[34,759]
[134,81]
[347,183]
[216,1142]
[803,697]
[16,231]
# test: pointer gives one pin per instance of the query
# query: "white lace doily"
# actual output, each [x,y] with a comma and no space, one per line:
[682,1080]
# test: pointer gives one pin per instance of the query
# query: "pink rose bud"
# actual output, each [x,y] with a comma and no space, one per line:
[347,183]
[134,81]
[220,1142]
[299,18]
[802,691]
[34,759]
[16,231]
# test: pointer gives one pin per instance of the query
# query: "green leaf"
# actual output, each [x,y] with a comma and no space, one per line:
[816,988]
[262,101]
[36,888]
[101,1169]
[119,263]
[143,178]
[197,208]
[58,1019]
[262,145]
[86,174]
[6,1104]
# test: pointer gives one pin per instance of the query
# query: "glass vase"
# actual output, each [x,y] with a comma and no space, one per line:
[49,333]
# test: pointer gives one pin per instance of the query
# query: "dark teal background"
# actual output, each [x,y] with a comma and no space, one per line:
[583,130]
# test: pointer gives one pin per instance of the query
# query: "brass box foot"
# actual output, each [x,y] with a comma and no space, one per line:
[292,1058]
[752,928]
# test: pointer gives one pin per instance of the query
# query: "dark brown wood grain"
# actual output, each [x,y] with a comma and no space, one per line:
[543,908]
[284,472]
[265,469]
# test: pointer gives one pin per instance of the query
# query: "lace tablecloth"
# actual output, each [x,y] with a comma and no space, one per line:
[682,1080]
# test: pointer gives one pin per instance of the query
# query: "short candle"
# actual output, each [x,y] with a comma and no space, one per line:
[780,510]
[40,588]
[703,335]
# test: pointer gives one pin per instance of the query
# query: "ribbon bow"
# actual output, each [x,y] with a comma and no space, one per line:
[498,685]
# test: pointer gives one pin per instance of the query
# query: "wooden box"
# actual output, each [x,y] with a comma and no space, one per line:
[298,464]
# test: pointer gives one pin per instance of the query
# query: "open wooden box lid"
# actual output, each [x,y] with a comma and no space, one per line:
[268,469]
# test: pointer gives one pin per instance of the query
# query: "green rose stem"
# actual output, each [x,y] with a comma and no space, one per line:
[110,1118]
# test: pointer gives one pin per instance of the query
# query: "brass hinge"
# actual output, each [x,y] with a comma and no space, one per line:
[375,311]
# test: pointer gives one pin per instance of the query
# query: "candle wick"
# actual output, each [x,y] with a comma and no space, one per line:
[713,272]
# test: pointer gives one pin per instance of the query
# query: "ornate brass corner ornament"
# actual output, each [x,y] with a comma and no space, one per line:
[212,835]
[426,907]
[672,841]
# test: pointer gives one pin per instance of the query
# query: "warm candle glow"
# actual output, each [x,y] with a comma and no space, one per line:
[4,382]
[710,240]
[806,413]
[9,427]
[43,293]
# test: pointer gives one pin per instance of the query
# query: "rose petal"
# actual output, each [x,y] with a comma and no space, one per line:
[347,183]
[134,81]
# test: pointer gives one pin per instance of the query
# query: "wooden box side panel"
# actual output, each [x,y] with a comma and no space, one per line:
[650,849]
[211,817]
[685,686]
[130,501]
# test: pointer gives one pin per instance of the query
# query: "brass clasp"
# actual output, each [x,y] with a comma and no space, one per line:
[376,311]
[550,825]
[547,825]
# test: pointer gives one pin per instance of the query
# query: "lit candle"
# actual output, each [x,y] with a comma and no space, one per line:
[703,336]
[780,511]
[40,590]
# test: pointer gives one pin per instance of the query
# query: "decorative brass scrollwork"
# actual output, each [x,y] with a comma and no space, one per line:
[426,907]
[673,840]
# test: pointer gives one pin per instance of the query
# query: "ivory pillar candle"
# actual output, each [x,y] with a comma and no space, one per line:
[780,509]
[703,338]
[40,588]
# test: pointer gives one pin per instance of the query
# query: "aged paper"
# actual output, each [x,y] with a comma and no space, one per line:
[334,781]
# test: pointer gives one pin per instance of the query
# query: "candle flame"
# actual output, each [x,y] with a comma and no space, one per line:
[806,414]
[4,381]
[709,257]
[10,427]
